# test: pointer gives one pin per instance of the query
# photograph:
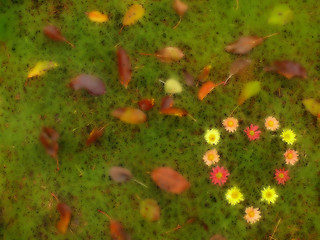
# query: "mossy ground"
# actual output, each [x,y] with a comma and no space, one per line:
[28,175]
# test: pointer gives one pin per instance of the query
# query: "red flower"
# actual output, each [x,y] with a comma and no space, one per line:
[253,132]
[219,175]
[281,176]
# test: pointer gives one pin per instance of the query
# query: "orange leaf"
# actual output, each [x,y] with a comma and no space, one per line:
[174,111]
[130,115]
[146,104]
[180,7]
[204,73]
[96,16]
[169,180]
[124,67]
[117,231]
[65,216]
[95,134]
[205,89]
[134,13]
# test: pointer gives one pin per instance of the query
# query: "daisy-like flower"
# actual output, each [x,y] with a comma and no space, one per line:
[288,136]
[291,156]
[269,195]
[234,196]
[253,132]
[271,123]
[252,215]
[219,175]
[211,157]
[281,176]
[212,136]
[230,124]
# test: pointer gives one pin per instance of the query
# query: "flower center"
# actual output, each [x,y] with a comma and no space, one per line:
[290,156]
[251,214]
[212,137]
[268,194]
[251,133]
[230,123]
[281,175]
[270,123]
[235,195]
[219,175]
[211,157]
[287,136]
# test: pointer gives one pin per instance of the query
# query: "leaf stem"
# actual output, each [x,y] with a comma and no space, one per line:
[104,213]
[271,35]
[178,23]
[140,183]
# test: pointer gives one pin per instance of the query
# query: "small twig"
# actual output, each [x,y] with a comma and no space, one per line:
[55,197]
[140,183]
[178,23]
[275,229]
[162,81]
[233,110]
[104,213]
[57,160]
[175,229]
[69,43]
[228,78]
[190,116]
[121,29]
[271,35]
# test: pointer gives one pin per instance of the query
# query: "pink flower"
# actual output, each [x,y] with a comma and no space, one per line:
[253,132]
[271,123]
[219,175]
[281,176]
[252,215]
[230,124]
[211,157]
[291,156]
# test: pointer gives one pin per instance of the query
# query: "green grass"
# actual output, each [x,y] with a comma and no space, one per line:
[27,173]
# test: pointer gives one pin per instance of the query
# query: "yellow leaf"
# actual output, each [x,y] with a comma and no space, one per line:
[134,13]
[96,16]
[41,68]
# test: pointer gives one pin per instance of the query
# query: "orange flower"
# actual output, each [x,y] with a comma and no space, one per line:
[252,215]
[291,156]
[271,123]
[230,124]
[211,157]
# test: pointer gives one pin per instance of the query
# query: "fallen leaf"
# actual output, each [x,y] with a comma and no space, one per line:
[55,34]
[249,90]
[166,102]
[134,13]
[287,69]
[245,44]
[169,54]
[189,79]
[41,68]
[172,86]
[205,89]
[146,104]
[179,112]
[280,15]
[218,237]
[92,84]
[129,115]
[95,134]
[312,105]
[180,8]
[120,174]
[150,210]
[49,139]
[65,216]
[237,66]
[96,16]
[204,74]
[169,180]
[124,67]
[117,231]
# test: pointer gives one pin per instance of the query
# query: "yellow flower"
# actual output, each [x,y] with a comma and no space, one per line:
[269,195]
[288,136]
[234,196]
[212,136]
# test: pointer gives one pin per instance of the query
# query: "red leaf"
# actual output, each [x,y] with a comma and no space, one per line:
[54,33]
[92,84]
[205,89]
[169,180]
[287,69]
[130,115]
[174,111]
[49,139]
[117,231]
[95,134]
[65,216]
[124,67]
[166,102]
[146,104]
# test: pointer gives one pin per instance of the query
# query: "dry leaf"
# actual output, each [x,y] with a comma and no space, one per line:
[124,67]
[65,216]
[120,174]
[218,237]
[146,104]
[189,80]
[95,134]
[150,210]
[169,180]
[179,112]
[54,33]
[166,102]
[134,13]
[49,139]
[41,68]
[287,69]
[205,89]
[313,106]
[169,54]
[204,74]
[130,115]
[180,7]
[237,66]
[117,231]
[92,84]
[96,16]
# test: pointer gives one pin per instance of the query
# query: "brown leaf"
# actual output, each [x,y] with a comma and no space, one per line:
[218,237]
[180,7]
[166,102]
[130,115]
[146,104]
[179,112]
[237,66]
[169,54]
[65,216]
[188,78]
[92,84]
[95,134]
[49,139]
[54,33]
[117,231]
[169,180]
[124,67]
[120,174]
[287,69]
[244,44]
